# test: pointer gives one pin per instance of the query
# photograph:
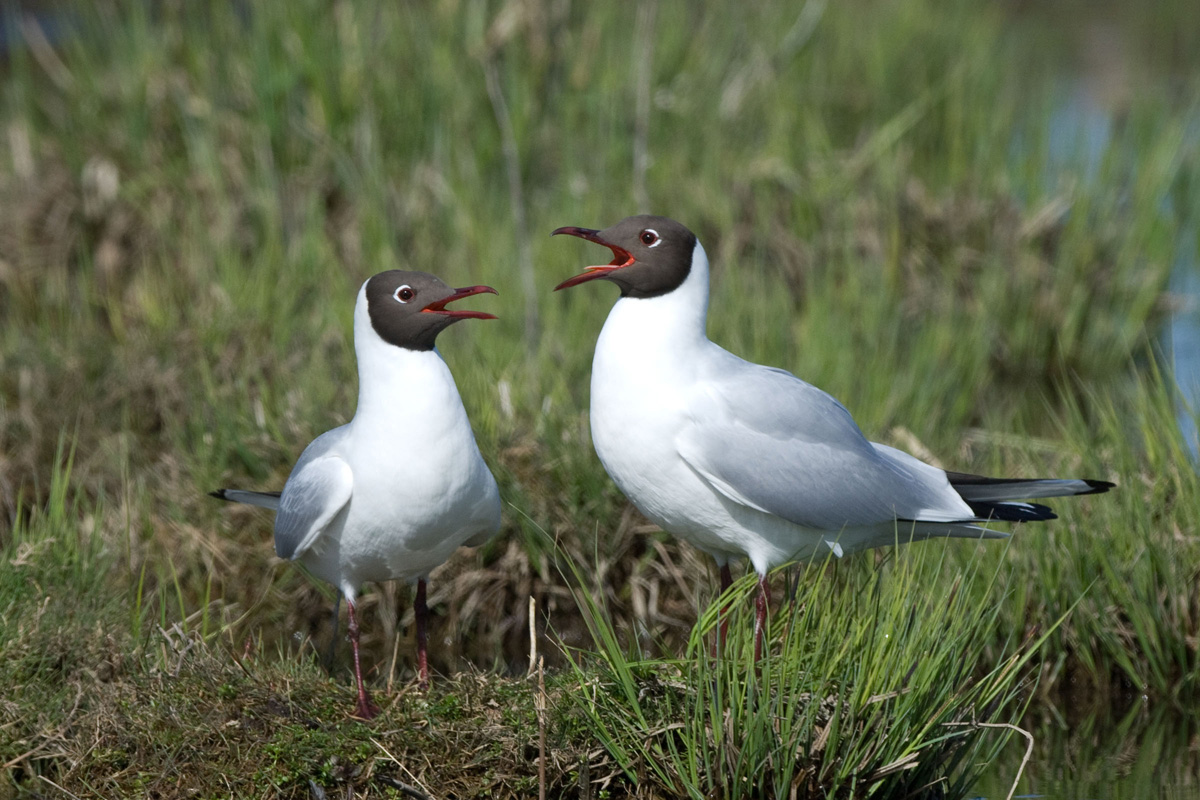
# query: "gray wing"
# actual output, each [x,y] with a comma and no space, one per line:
[261,499]
[479,539]
[767,440]
[317,490]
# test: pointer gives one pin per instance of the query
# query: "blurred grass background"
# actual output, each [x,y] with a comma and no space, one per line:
[896,208]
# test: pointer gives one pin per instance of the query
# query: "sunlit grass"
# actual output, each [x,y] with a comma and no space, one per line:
[871,680]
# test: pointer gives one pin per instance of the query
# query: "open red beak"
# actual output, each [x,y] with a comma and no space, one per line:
[621,257]
[439,306]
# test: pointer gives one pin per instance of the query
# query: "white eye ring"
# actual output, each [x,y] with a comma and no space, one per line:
[399,299]
[657,238]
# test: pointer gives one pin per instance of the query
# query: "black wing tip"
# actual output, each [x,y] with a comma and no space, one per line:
[223,494]
[1039,513]
[1027,512]
[1011,511]
[1098,487]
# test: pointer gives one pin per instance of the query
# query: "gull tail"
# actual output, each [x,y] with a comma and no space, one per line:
[1001,499]
[262,499]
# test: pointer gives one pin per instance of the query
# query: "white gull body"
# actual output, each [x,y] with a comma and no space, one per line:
[392,493]
[741,459]
[746,460]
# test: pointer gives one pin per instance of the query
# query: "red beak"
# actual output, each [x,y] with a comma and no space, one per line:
[621,257]
[439,306]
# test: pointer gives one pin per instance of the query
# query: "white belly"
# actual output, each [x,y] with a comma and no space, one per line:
[637,450]
[419,494]
[639,406]
[637,410]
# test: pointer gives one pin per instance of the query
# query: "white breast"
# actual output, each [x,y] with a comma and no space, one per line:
[648,358]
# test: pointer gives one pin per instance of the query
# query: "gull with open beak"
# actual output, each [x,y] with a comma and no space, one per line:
[744,460]
[392,493]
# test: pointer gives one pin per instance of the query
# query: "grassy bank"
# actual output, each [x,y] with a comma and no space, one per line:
[190,197]
[109,696]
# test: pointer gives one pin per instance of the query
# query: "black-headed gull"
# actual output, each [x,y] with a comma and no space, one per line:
[392,493]
[740,459]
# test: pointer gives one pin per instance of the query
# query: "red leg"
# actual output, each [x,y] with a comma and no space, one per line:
[760,617]
[365,708]
[421,611]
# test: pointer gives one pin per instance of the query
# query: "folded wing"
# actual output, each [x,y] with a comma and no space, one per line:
[315,493]
[767,440]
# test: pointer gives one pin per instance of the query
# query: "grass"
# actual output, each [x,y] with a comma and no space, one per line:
[870,690]
[191,195]
[102,706]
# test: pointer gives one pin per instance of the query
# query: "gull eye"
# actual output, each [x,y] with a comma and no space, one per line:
[649,237]
[404,293]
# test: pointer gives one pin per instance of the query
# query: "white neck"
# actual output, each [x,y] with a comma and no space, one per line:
[672,321]
[387,373]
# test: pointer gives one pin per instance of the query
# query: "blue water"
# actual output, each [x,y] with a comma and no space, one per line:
[1181,338]
[1079,136]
